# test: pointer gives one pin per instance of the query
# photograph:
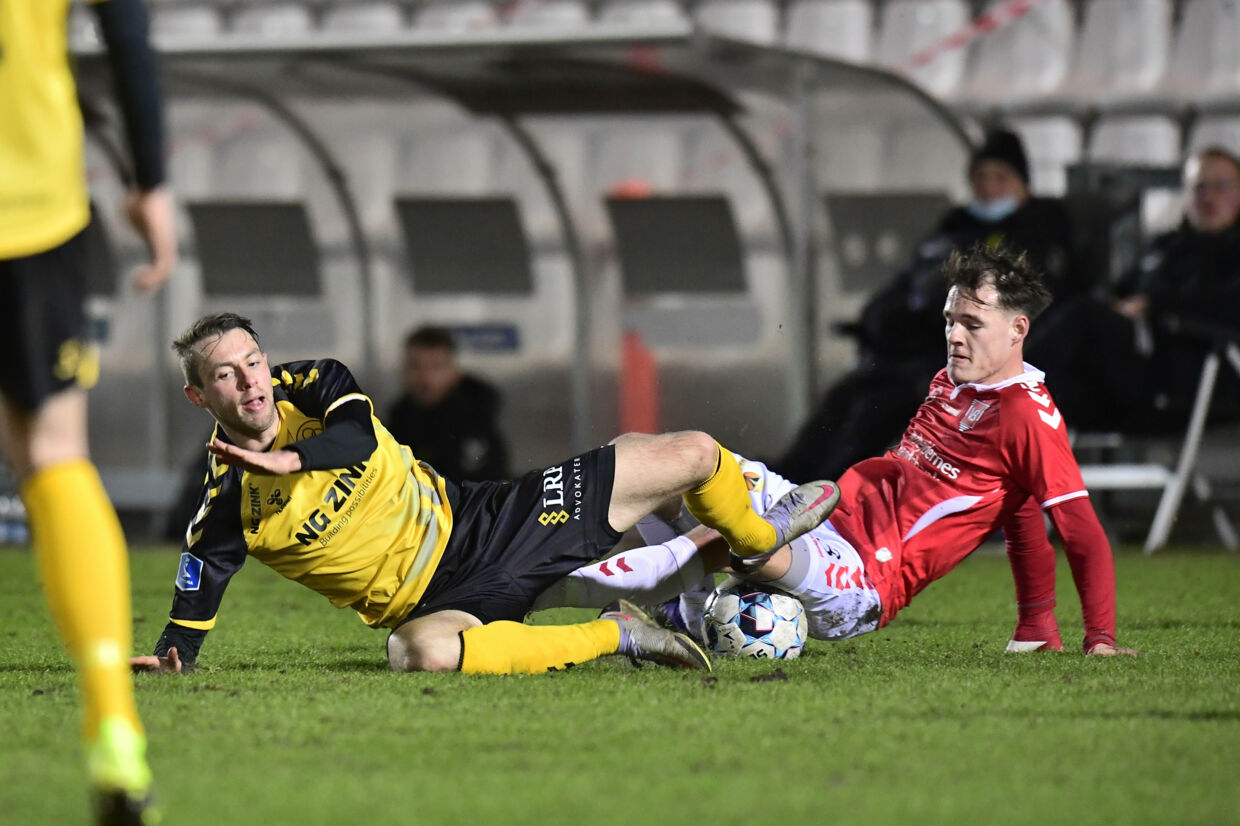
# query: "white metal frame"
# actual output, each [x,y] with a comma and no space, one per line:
[1175,482]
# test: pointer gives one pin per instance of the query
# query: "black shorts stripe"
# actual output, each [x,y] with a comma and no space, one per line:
[511,540]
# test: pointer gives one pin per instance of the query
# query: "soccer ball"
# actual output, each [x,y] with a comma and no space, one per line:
[746,620]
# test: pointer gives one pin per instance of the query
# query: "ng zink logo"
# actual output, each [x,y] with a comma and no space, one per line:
[553,518]
[189,574]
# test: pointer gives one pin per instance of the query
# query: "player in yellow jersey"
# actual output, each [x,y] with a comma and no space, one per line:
[47,360]
[304,478]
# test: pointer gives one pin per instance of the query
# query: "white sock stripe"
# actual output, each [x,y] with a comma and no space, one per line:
[650,574]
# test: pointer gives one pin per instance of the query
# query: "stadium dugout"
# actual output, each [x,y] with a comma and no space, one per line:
[359,123]
[773,113]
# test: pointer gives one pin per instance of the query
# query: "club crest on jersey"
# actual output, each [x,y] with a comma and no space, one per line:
[189,573]
[973,415]
[308,429]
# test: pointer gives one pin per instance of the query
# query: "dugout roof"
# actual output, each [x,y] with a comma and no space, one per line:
[672,67]
[512,74]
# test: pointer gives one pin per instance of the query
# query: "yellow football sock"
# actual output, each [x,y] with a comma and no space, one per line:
[722,503]
[85,571]
[513,648]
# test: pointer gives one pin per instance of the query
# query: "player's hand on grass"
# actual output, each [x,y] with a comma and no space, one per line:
[1103,649]
[272,463]
[170,662]
[152,215]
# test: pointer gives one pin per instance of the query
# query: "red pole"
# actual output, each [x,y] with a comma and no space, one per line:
[639,386]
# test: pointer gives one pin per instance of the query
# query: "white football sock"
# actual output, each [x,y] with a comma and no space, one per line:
[692,603]
[648,576]
[655,530]
[800,570]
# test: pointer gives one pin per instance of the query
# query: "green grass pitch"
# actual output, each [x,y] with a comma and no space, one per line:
[294,719]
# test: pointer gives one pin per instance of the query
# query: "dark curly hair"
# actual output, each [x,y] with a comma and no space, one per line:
[210,326]
[1019,285]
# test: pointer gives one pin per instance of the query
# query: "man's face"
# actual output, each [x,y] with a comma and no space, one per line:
[992,180]
[430,373]
[236,388]
[984,343]
[1215,189]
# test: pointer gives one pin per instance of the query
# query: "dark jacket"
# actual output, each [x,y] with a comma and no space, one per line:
[459,437]
[1191,274]
[905,319]
[1191,277]
[1108,372]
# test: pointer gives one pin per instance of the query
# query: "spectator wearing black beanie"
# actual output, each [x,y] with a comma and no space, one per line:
[1006,147]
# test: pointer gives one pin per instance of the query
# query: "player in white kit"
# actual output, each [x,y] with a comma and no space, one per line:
[821,569]
[987,449]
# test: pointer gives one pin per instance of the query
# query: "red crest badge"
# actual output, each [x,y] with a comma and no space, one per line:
[973,415]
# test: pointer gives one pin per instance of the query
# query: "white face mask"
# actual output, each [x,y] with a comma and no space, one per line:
[992,211]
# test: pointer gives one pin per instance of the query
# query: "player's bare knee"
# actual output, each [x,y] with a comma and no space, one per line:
[699,451]
[424,653]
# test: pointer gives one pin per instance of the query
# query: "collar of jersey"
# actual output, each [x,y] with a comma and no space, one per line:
[1031,375]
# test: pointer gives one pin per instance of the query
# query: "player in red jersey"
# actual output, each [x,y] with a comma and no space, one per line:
[987,449]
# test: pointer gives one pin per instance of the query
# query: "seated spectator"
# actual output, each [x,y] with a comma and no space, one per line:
[900,332]
[445,416]
[1121,365]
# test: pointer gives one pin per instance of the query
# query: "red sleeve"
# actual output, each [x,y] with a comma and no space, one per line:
[1093,570]
[1032,558]
[1035,445]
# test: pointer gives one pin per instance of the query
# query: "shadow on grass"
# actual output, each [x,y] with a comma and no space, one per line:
[46,668]
[1175,624]
[1134,624]
[1198,716]
[319,663]
[916,622]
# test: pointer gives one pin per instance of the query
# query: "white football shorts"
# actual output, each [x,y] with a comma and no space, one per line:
[829,579]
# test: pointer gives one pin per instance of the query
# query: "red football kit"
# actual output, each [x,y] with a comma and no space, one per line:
[967,463]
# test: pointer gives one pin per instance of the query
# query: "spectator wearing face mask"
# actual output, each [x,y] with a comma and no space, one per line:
[900,330]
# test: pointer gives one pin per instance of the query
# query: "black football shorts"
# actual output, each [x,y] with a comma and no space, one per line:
[43,328]
[511,540]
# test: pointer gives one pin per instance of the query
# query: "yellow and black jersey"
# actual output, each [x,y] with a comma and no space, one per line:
[43,195]
[367,534]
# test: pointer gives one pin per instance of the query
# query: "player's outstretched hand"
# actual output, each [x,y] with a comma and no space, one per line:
[271,463]
[152,215]
[1103,649]
[169,663]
